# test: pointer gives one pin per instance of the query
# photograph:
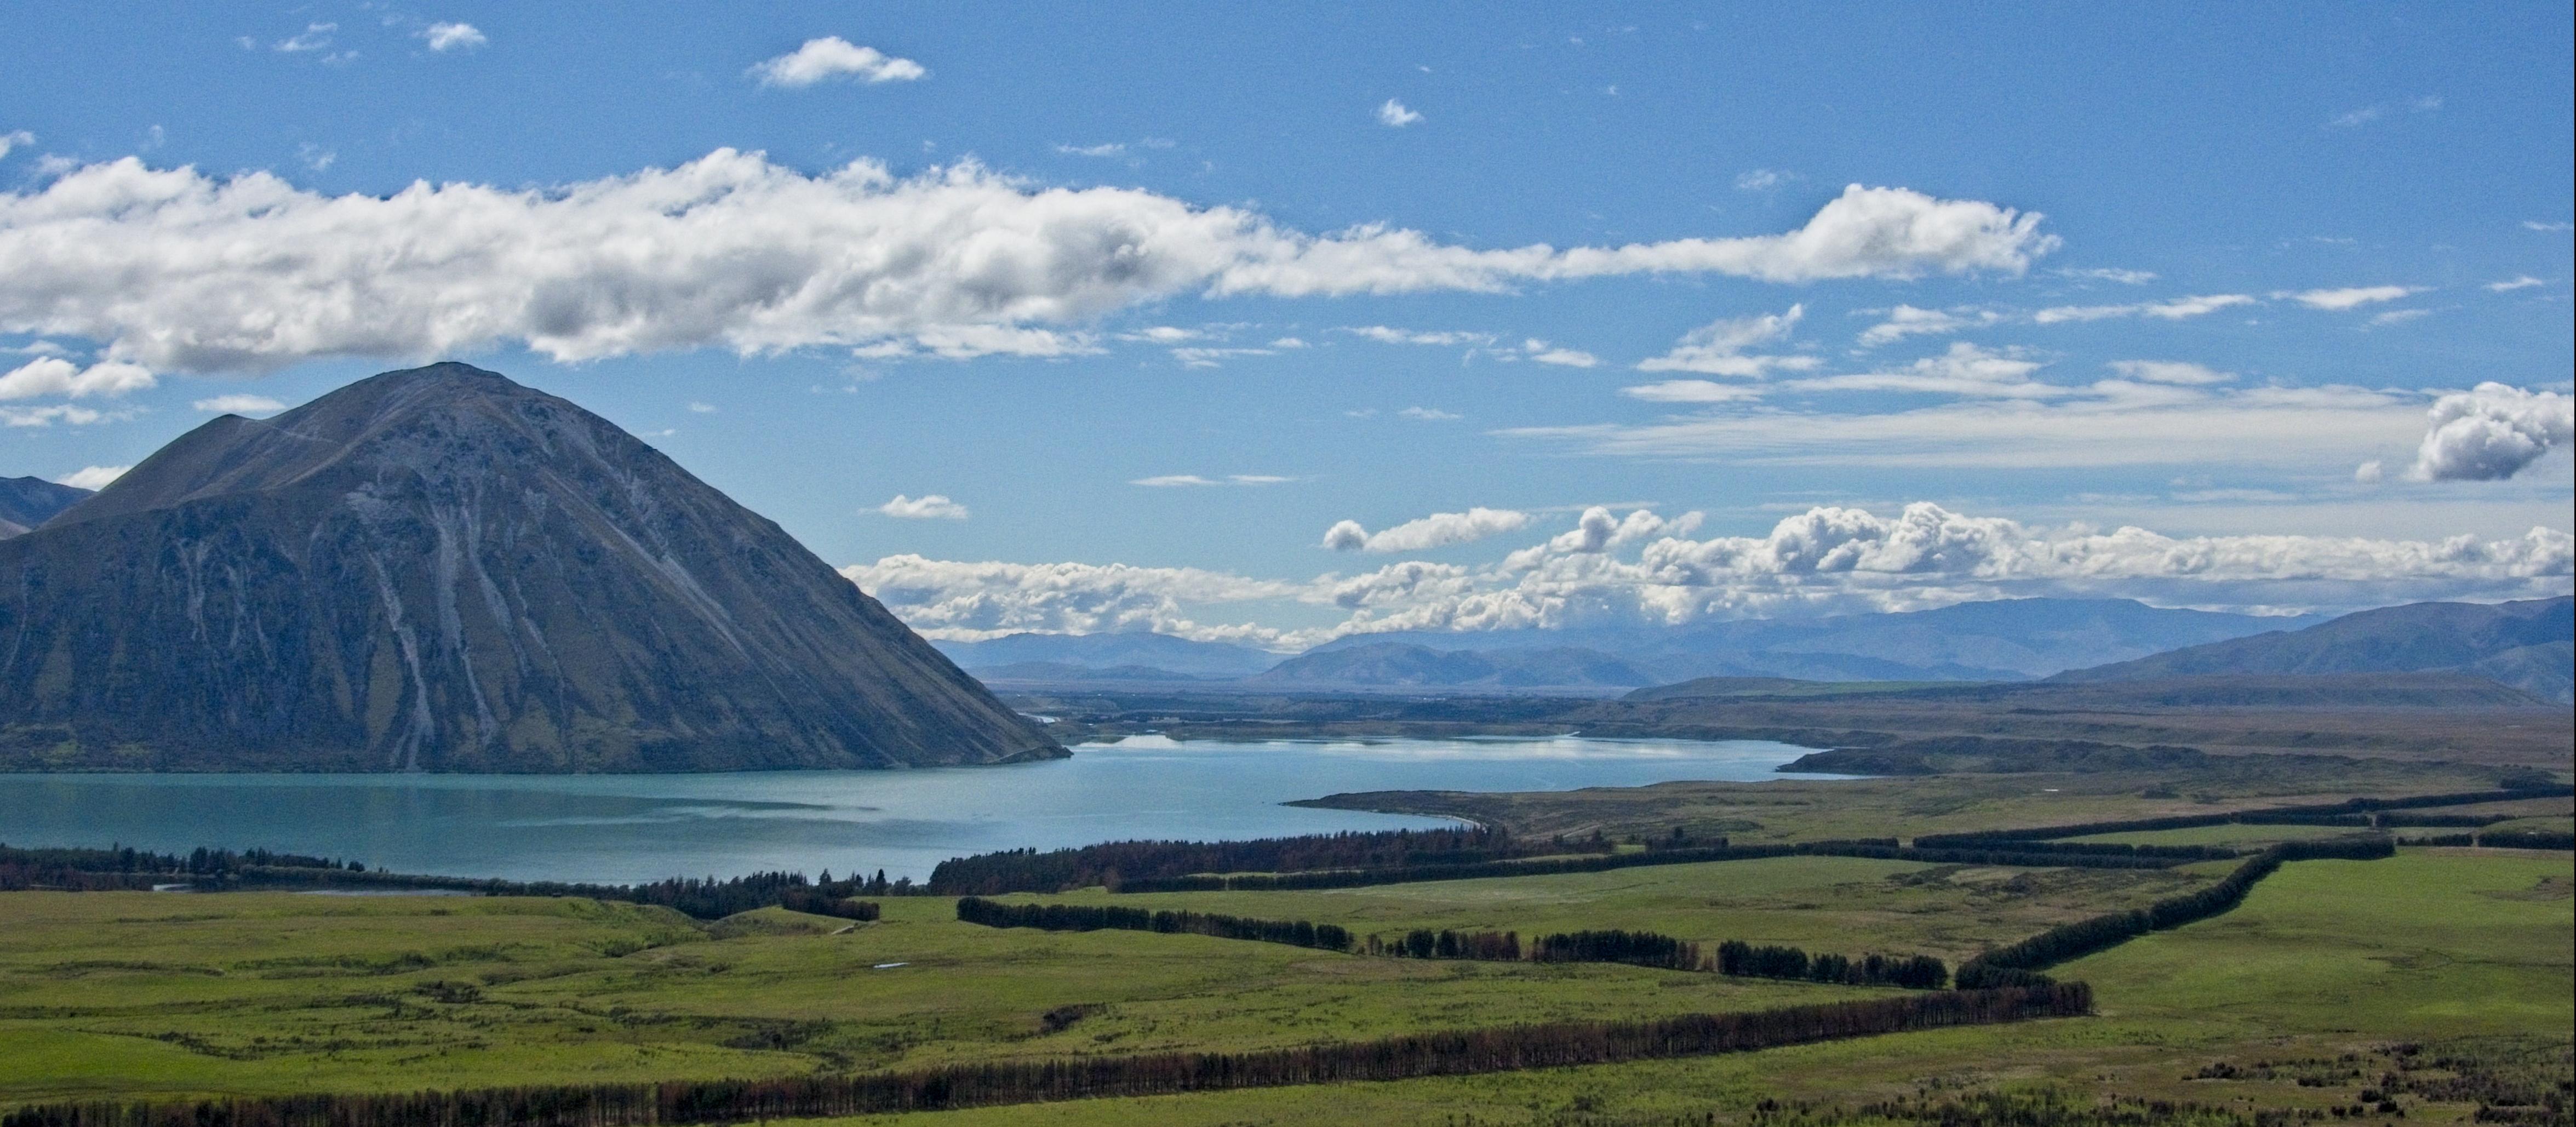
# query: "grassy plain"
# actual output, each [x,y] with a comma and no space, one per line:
[142,994]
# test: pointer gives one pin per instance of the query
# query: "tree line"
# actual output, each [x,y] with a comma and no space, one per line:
[1118,863]
[2356,806]
[1083,917]
[707,898]
[1635,948]
[991,1083]
[1914,972]
[2020,963]
[2502,839]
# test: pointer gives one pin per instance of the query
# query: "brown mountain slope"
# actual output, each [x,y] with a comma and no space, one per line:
[439,569]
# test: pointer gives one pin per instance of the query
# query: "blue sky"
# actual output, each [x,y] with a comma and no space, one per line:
[1272,250]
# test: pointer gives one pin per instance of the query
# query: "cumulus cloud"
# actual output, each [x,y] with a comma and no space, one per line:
[1393,115]
[2349,297]
[2491,432]
[2175,310]
[1642,569]
[66,413]
[53,375]
[13,139]
[239,405]
[452,37]
[92,477]
[181,271]
[834,58]
[950,599]
[1717,348]
[1439,530]
[931,506]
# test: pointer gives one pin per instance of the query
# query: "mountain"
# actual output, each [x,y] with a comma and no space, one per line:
[439,569]
[1110,651]
[1396,666]
[2235,690]
[2530,645]
[1057,672]
[2002,640]
[26,502]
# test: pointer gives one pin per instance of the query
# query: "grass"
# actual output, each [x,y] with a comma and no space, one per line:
[2327,959]
[1847,905]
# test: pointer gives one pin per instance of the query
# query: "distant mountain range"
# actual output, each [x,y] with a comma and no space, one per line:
[439,569]
[2530,645]
[1394,665]
[1092,652]
[26,502]
[2522,645]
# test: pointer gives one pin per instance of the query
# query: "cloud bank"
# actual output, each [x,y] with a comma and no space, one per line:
[1641,569]
[177,270]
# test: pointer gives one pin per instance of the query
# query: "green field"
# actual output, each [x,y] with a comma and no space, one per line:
[134,994]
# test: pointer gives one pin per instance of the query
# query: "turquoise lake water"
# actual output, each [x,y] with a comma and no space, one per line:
[624,828]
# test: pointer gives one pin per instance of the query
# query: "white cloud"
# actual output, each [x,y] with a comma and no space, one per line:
[931,506]
[1427,414]
[2369,473]
[2522,282]
[2170,372]
[1907,321]
[314,37]
[13,139]
[1963,370]
[832,57]
[2349,297]
[1642,569]
[1762,179]
[1540,351]
[239,405]
[2558,225]
[1384,335]
[1717,348]
[453,36]
[60,413]
[1393,115]
[2491,432]
[92,477]
[2399,316]
[178,270]
[1108,149]
[1184,480]
[2174,310]
[2107,423]
[2111,274]
[702,408]
[1691,391]
[315,157]
[948,599]
[53,375]
[1439,530]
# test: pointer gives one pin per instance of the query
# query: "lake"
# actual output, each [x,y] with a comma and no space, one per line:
[627,828]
